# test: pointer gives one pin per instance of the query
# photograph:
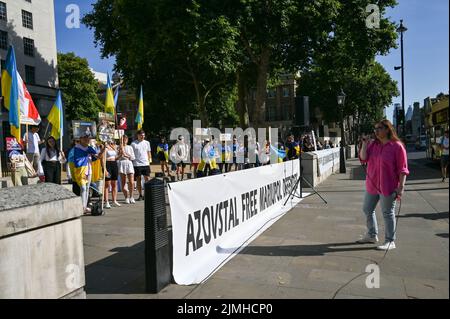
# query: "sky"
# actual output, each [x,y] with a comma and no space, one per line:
[426,45]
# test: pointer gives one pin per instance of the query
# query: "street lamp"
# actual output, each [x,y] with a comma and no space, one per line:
[341,102]
[402,29]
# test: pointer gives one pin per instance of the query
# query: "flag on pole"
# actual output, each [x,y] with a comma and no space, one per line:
[109,103]
[56,118]
[10,91]
[28,111]
[140,114]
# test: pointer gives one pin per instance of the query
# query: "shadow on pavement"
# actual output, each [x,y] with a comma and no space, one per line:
[443,235]
[121,273]
[301,250]
[431,216]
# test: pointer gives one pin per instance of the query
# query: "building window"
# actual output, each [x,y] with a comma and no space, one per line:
[285,109]
[28,46]
[30,74]
[27,19]
[271,113]
[286,92]
[272,94]
[3,40]
[3,15]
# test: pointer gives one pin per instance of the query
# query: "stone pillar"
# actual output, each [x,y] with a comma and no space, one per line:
[41,243]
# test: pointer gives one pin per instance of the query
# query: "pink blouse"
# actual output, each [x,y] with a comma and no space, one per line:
[385,164]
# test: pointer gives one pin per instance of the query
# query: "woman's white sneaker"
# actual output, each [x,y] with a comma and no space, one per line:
[387,246]
[117,204]
[127,201]
[132,201]
[107,205]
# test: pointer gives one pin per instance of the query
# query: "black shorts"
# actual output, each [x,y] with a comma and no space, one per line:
[444,160]
[142,171]
[162,157]
[113,171]
[182,164]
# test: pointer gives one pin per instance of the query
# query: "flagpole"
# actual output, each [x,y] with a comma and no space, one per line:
[104,177]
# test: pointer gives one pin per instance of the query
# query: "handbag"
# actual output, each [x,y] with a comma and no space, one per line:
[31,173]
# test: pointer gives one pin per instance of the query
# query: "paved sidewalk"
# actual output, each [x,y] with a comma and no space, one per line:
[309,253]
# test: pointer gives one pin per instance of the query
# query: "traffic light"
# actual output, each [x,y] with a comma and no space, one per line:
[400,117]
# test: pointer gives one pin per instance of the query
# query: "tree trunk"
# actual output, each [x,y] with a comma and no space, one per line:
[200,103]
[242,105]
[259,113]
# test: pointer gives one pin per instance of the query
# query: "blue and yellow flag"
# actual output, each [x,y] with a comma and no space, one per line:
[56,118]
[10,91]
[110,107]
[140,114]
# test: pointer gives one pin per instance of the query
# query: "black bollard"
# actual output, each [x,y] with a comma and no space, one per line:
[157,251]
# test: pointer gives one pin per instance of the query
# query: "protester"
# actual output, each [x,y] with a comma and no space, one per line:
[387,169]
[444,159]
[196,155]
[162,152]
[81,167]
[18,170]
[208,165]
[51,159]
[179,155]
[226,156]
[70,159]
[143,158]
[307,144]
[292,149]
[33,141]
[126,170]
[112,174]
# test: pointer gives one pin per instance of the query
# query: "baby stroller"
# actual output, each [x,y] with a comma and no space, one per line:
[94,200]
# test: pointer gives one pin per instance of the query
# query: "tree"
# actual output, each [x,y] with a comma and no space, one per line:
[274,35]
[180,44]
[347,60]
[79,88]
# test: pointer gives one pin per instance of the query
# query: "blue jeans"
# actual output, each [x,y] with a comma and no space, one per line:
[388,204]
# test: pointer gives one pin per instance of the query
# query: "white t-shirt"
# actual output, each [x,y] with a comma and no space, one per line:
[32,143]
[444,143]
[141,150]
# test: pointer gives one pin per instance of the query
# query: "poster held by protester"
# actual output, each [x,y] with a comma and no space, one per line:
[12,144]
[84,128]
[123,125]
[106,128]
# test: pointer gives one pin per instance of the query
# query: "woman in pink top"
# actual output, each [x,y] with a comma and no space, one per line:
[387,168]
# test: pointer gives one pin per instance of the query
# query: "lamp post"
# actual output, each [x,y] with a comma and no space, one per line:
[402,29]
[341,102]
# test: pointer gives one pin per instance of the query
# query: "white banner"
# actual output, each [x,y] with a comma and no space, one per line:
[327,160]
[214,218]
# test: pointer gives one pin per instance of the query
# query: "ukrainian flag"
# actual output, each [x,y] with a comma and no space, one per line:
[10,91]
[140,115]
[110,107]
[56,118]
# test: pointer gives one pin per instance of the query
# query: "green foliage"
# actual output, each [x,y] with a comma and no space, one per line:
[79,88]
[183,52]
[346,60]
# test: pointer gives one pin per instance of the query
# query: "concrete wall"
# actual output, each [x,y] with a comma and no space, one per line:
[41,243]
[311,170]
